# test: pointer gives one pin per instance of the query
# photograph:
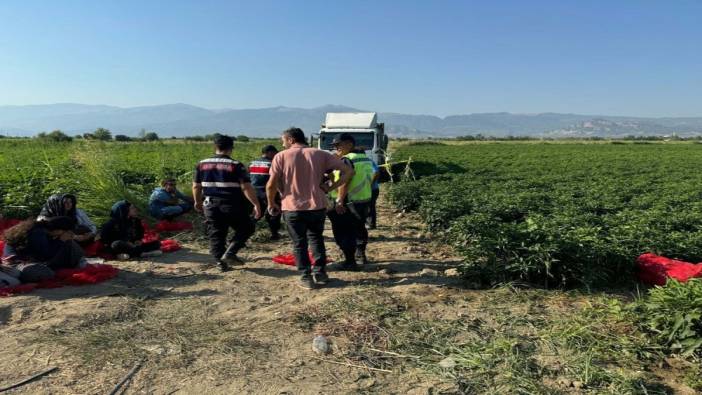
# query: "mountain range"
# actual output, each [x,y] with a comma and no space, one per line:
[186,120]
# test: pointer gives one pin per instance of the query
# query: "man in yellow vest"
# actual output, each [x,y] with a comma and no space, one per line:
[349,205]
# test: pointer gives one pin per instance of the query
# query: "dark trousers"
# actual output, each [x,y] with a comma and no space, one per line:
[124,247]
[272,220]
[66,257]
[372,211]
[349,228]
[306,230]
[220,215]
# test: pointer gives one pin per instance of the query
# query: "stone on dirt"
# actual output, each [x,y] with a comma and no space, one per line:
[428,273]
[447,363]
[453,272]
[320,345]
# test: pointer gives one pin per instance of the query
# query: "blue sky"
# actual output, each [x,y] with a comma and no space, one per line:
[425,57]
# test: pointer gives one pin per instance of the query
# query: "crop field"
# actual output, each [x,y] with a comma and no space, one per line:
[545,299]
[98,173]
[557,214]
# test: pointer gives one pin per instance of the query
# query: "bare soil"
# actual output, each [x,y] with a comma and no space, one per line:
[201,331]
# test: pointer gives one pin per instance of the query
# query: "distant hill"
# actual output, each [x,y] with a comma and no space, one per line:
[186,120]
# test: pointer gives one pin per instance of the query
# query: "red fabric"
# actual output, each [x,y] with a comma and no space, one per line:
[289,259]
[169,245]
[173,226]
[91,274]
[655,270]
[93,249]
[17,289]
[2,246]
[7,224]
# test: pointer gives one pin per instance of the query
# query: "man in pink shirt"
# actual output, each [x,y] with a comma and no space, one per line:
[298,174]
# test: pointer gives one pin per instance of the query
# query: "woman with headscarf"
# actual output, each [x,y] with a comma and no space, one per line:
[60,205]
[34,249]
[123,233]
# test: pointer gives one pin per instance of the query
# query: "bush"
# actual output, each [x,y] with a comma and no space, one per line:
[674,314]
[151,136]
[56,135]
[102,134]
[121,137]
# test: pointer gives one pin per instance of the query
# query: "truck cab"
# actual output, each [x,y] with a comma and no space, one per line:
[363,126]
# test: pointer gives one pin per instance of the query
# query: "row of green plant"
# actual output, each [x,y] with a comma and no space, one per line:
[569,215]
[98,173]
[557,215]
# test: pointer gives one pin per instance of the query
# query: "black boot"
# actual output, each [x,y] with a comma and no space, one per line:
[349,263]
[361,255]
[223,266]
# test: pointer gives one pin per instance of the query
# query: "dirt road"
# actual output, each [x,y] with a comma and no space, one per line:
[201,331]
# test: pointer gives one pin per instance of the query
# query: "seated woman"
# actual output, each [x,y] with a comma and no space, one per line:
[33,250]
[60,205]
[165,202]
[122,234]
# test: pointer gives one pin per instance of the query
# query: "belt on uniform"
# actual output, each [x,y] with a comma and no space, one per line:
[217,200]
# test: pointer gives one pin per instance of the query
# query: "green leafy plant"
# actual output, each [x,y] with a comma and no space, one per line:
[674,314]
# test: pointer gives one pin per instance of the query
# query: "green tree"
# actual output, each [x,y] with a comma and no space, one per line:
[150,136]
[242,138]
[102,134]
[58,135]
[121,137]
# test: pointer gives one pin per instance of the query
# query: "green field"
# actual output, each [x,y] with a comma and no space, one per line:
[547,233]
[557,214]
[100,173]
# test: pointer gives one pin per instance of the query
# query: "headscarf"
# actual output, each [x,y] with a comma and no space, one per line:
[120,212]
[54,207]
[126,226]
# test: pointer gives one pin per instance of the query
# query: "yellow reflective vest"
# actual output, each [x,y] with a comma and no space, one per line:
[360,185]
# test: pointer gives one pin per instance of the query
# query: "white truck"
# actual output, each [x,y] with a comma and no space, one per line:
[363,126]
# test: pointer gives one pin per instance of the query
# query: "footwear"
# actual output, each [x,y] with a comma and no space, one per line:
[320,278]
[361,256]
[150,254]
[306,281]
[223,267]
[123,257]
[349,267]
[232,260]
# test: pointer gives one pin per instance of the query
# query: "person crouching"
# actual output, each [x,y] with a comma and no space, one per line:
[124,232]
[167,202]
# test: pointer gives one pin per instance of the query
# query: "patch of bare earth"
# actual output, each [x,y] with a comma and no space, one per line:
[198,330]
[402,325]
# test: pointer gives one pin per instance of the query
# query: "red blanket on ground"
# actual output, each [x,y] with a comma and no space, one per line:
[91,274]
[655,270]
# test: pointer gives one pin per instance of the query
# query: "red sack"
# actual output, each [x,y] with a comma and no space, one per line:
[655,270]
[169,245]
[173,226]
[289,259]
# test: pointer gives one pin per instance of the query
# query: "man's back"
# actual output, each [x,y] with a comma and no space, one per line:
[301,170]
